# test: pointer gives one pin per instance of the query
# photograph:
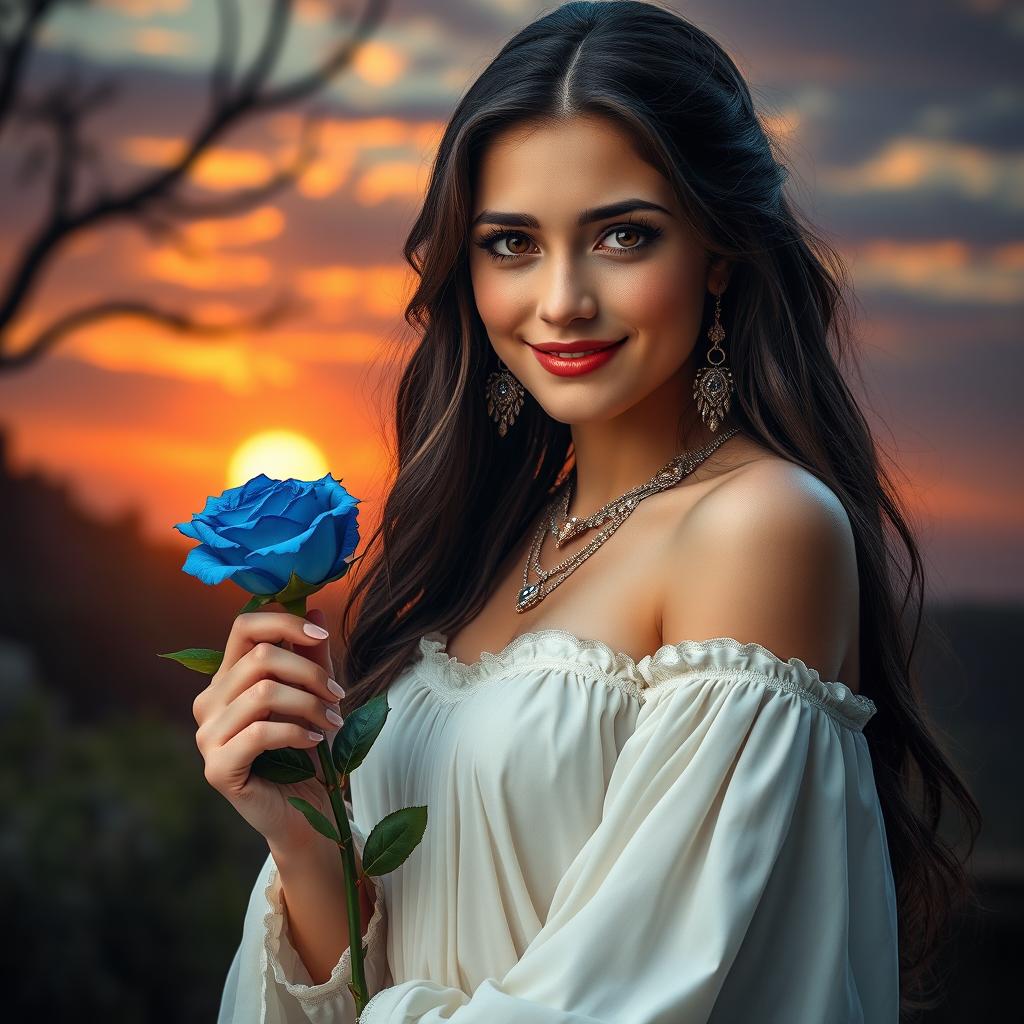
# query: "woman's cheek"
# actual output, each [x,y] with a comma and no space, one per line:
[495,302]
[658,305]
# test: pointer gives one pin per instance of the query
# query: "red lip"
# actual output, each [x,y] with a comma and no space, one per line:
[580,345]
[577,365]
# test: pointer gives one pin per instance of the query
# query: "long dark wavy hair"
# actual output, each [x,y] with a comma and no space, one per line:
[462,497]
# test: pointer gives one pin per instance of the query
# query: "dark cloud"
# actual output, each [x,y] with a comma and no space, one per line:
[918,214]
[908,44]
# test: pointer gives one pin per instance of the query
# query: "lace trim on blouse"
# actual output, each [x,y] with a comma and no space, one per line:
[274,931]
[720,657]
[364,1017]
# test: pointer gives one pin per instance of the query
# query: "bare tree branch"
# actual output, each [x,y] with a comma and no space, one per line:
[245,199]
[15,55]
[301,87]
[273,40]
[224,68]
[155,200]
[165,231]
[63,109]
[72,321]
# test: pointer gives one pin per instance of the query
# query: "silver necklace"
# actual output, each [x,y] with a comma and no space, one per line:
[615,513]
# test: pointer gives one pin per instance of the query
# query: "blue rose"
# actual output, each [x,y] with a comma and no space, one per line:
[260,534]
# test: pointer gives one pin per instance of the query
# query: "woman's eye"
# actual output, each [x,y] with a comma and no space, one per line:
[627,231]
[511,239]
[628,238]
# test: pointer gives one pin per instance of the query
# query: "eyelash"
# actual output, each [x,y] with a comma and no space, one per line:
[648,231]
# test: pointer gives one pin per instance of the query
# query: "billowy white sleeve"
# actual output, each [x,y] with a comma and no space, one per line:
[739,873]
[267,982]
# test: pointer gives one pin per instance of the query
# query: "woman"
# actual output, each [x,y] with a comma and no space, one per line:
[680,790]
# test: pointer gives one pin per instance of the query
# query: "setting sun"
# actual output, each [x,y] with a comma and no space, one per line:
[279,454]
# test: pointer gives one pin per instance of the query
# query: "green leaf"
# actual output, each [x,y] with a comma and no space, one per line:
[199,659]
[256,602]
[393,838]
[315,818]
[285,764]
[357,733]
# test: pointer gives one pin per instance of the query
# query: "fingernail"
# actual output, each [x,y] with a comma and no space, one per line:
[335,688]
[332,716]
[312,629]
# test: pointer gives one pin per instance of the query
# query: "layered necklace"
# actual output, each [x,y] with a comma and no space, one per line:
[614,514]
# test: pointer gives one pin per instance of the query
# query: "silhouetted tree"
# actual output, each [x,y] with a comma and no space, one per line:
[155,202]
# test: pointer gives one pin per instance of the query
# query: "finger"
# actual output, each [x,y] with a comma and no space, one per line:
[266,660]
[319,652]
[252,628]
[269,700]
[229,765]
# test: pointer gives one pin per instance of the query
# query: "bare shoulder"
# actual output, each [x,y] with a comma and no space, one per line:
[768,555]
[775,497]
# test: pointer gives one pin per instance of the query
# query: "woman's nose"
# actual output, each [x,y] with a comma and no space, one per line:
[566,295]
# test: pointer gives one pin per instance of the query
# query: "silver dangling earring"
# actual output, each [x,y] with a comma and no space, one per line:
[713,386]
[504,398]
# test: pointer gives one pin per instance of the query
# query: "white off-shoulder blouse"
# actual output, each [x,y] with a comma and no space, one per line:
[695,837]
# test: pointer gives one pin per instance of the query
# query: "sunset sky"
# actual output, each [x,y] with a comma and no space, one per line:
[902,124]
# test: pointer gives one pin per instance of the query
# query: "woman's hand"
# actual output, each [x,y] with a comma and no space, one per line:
[265,697]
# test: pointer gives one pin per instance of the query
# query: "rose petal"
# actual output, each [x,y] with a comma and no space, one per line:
[263,532]
[204,563]
[318,550]
[273,503]
[216,538]
[287,556]
[304,508]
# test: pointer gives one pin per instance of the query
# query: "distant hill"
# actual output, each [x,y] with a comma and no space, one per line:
[971,679]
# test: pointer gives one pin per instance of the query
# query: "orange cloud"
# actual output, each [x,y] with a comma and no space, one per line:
[241,363]
[257,225]
[352,348]
[378,63]
[343,290]
[218,169]
[312,10]
[395,179]
[145,8]
[128,345]
[326,174]
[913,163]
[160,42]
[357,133]
[808,106]
[150,151]
[219,271]
[1010,256]
[949,270]
[342,145]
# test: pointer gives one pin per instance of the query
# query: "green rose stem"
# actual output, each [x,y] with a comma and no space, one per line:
[346,848]
[348,860]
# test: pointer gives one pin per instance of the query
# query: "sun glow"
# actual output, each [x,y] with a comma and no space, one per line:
[280,454]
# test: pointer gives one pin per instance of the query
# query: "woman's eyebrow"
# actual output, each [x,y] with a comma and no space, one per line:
[588,216]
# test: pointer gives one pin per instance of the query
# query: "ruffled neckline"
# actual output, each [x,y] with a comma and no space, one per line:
[723,653]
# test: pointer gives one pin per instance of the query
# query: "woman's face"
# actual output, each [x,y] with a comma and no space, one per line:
[637,274]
